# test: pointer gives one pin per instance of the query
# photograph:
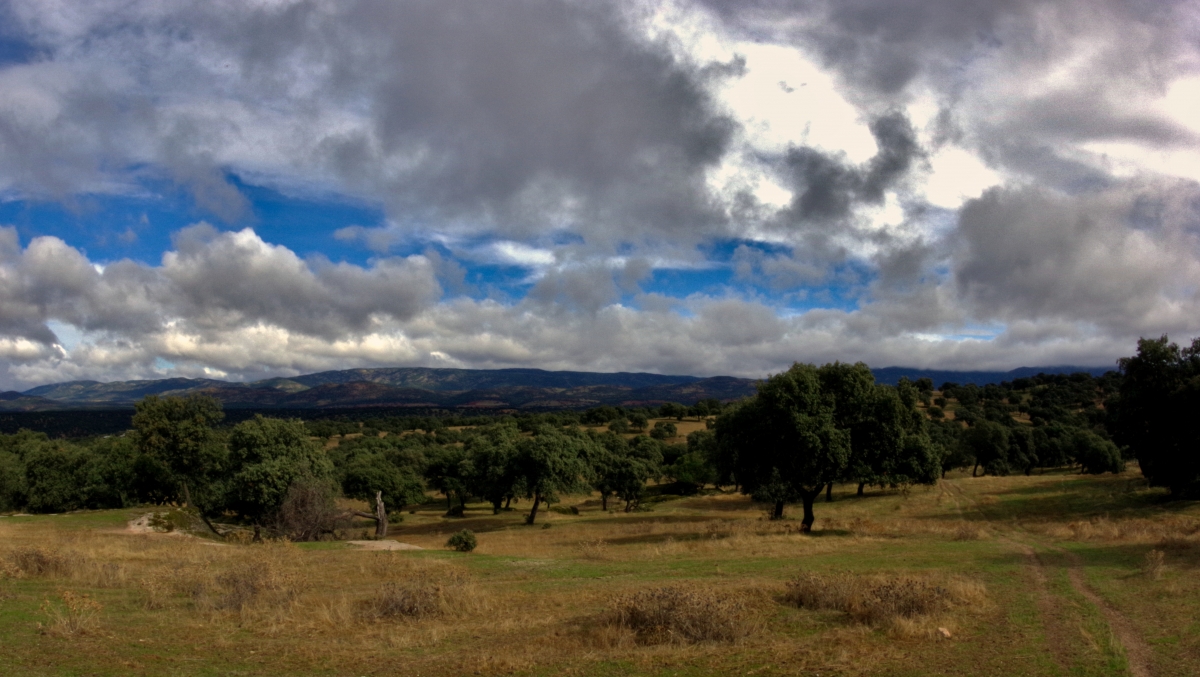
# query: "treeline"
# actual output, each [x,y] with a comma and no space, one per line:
[177,453]
[88,423]
[1047,421]
[806,429]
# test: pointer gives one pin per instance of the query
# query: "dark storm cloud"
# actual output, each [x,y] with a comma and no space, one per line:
[826,187]
[1031,254]
[518,116]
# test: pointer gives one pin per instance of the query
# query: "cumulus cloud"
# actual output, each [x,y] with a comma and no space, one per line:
[513,117]
[943,183]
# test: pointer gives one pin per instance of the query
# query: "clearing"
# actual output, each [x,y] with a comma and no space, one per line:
[1054,574]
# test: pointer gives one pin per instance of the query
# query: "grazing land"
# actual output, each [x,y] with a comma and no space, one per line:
[1048,574]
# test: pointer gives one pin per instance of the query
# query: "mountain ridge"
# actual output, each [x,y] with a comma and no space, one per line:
[437,388]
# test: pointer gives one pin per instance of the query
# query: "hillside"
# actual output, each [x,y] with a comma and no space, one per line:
[471,389]
[415,388]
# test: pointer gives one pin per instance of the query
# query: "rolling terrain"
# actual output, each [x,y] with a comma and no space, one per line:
[466,389]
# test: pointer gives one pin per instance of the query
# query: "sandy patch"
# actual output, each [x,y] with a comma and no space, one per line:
[384,545]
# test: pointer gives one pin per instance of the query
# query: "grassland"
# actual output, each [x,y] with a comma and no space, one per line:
[1051,574]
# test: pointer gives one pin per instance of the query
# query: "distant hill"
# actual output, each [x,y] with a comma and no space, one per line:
[892,375]
[460,389]
[413,388]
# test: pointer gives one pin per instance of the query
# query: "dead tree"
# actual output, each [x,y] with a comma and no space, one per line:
[380,516]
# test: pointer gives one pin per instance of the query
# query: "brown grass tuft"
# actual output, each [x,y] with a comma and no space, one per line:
[681,615]
[39,561]
[879,600]
[967,532]
[259,581]
[1152,566]
[424,594]
[74,614]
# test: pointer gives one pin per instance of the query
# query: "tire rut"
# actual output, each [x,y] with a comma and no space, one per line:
[1137,652]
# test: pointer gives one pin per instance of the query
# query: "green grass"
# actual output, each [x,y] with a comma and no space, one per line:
[542,590]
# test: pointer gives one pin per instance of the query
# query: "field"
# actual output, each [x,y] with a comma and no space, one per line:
[1054,574]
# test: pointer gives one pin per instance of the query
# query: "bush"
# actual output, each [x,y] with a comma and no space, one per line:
[877,600]
[76,615]
[259,581]
[309,511]
[679,615]
[463,541]
[39,561]
[422,596]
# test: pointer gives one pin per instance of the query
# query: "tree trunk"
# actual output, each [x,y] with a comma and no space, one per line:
[975,469]
[508,503]
[187,497]
[537,500]
[808,497]
[604,501]
[496,506]
[829,493]
[381,517]
[777,513]
[449,505]
[860,488]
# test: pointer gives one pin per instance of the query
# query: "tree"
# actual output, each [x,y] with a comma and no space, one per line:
[1095,454]
[605,469]
[447,472]
[548,463]
[638,420]
[177,433]
[267,456]
[372,478]
[783,444]
[492,473]
[1153,412]
[664,430]
[987,442]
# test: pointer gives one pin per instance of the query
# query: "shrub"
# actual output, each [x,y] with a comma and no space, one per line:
[75,614]
[257,582]
[967,532]
[309,511]
[422,596]
[38,561]
[679,615]
[463,541]
[1153,564]
[877,600]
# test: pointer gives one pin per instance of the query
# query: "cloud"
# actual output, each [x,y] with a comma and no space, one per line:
[972,183]
[515,118]
[1031,254]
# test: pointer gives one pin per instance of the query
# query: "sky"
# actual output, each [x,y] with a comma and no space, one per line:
[243,189]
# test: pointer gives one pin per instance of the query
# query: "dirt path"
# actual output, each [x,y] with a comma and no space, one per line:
[1050,609]
[1137,653]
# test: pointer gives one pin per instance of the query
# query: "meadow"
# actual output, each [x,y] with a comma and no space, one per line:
[1051,574]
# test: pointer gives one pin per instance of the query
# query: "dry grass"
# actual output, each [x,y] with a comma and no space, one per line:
[579,598]
[72,614]
[881,600]
[41,561]
[967,532]
[1166,528]
[677,614]
[1152,565]
[423,595]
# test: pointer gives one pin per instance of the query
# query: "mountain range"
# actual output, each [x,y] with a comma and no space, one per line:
[467,389]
